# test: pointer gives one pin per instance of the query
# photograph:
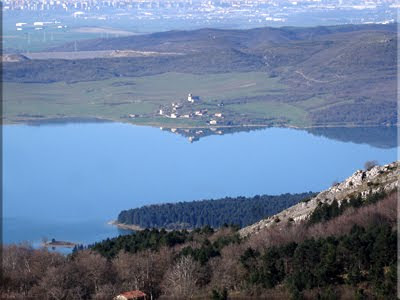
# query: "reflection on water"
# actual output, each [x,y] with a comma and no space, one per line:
[380,137]
[195,134]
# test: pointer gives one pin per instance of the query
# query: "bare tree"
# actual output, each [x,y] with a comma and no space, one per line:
[180,281]
[129,271]
[51,286]
[143,270]
[93,268]
[227,272]
[106,292]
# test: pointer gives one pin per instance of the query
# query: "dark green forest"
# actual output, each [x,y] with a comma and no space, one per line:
[363,255]
[240,211]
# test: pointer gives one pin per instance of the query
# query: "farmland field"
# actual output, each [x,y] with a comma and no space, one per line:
[114,99]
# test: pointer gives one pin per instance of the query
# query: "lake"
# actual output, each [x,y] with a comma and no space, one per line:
[67,181]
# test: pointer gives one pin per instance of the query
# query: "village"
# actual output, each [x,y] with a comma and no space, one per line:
[195,118]
[182,110]
[191,109]
[188,110]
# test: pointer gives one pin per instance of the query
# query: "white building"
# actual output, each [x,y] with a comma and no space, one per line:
[192,98]
[176,105]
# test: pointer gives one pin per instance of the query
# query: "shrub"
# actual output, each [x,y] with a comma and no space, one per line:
[368,165]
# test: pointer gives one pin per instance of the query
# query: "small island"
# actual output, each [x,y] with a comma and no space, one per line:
[55,243]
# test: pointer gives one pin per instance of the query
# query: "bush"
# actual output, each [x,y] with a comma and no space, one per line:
[368,165]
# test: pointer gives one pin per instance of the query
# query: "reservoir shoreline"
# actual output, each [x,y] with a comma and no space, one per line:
[125,226]
[149,123]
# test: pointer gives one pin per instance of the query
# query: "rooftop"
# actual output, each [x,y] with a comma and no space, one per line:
[133,294]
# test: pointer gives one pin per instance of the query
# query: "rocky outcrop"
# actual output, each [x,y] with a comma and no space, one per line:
[377,179]
[5,58]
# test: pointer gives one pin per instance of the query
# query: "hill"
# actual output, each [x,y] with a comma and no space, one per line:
[322,76]
[188,41]
[357,188]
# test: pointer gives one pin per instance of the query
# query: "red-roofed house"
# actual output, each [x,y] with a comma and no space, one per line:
[132,295]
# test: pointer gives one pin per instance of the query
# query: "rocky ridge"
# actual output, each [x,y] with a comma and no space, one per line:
[377,179]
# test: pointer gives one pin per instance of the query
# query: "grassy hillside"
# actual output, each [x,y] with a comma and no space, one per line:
[115,99]
[321,76]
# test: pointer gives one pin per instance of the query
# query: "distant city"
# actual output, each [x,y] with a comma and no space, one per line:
[40,24]
[203,5]
[253,10]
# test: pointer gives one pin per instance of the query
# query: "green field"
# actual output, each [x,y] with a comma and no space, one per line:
[285,113]
[114,99]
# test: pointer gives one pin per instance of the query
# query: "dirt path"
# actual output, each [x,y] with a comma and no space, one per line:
[312,79]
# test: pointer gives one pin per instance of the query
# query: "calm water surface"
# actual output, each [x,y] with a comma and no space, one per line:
[67,181]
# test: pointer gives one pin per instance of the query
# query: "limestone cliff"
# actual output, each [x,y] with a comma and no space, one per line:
[378,178]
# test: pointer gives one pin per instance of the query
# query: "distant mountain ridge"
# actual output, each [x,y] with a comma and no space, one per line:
[209,38]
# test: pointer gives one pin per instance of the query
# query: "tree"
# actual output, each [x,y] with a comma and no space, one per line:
[181,280]
[227,272]
[143,270]
[129,271]
[52,285]
[93,270]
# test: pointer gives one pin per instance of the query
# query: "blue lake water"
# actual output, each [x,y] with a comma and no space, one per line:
[67,181]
